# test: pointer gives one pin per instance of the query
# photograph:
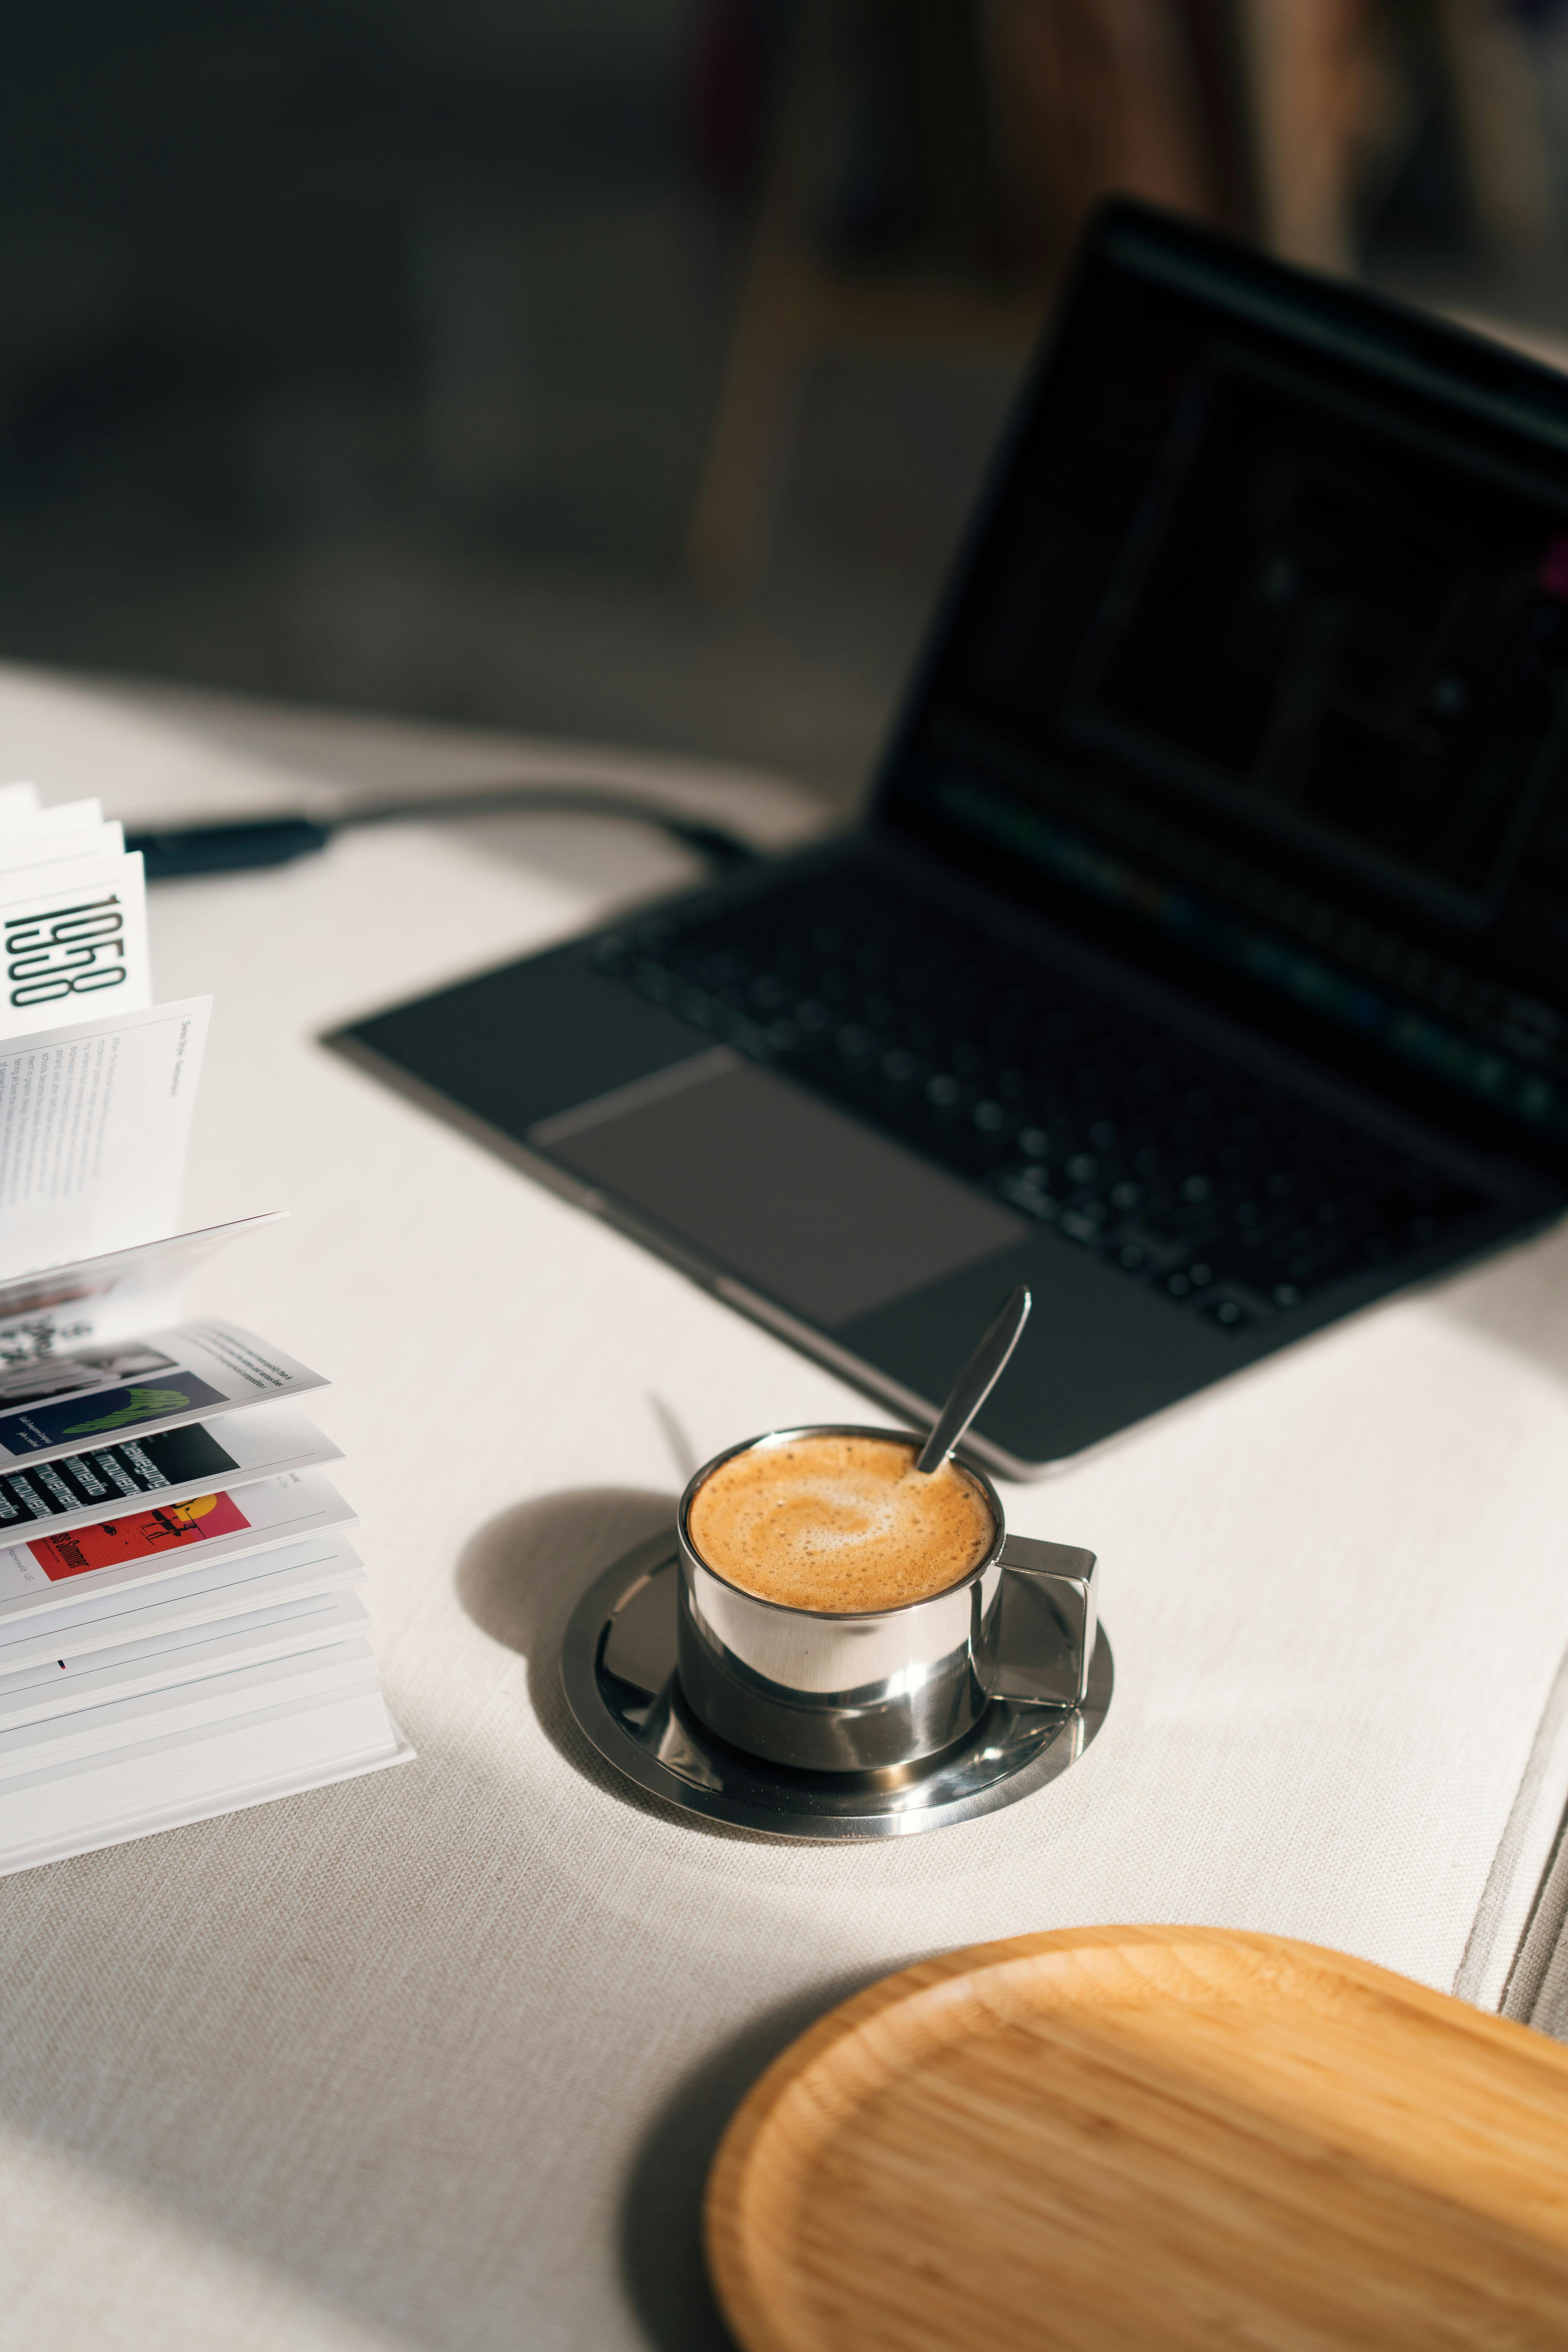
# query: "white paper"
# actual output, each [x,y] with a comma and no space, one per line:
[73,941]
[190,1774]
[65,818]
[20,850]
[107,1298]
[167,1661]
[339,1666]
[204,1592]
[146,1545]
[178,1630]
[77,1490]
[132,1387]
[94,1122]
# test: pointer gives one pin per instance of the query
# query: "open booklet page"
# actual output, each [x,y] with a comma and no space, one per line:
[162,1785]
[180,1625]
[18,851]
[94,1122]
[73,939]
[199,1590]
[104,1297]
[75,1489]
[71,1404]
[176,1656]
[39,1748]
[22,817]
[300,1729]
[150,1543]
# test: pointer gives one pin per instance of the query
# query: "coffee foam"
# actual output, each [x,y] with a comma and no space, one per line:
[840,1524]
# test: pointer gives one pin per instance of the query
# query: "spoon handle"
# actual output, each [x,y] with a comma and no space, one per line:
[976,1381]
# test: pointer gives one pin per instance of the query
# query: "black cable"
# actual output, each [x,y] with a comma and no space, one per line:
[180,851]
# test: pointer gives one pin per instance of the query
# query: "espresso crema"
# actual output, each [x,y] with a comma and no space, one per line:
[840,1524]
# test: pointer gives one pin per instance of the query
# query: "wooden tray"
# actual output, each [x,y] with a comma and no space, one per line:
[1125,2139]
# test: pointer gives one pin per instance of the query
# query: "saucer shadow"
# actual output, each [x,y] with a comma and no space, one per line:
[522,1574]
[519,1578]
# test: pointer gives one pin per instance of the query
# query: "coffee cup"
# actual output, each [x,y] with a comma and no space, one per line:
[838,1612]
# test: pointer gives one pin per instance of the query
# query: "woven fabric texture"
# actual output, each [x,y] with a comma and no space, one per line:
[436,2059]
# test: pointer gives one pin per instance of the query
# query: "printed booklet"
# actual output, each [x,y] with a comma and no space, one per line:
[182,1631]
[144,1544]
[192,1594]
[105,1298]
[175,1466]
[57,1405]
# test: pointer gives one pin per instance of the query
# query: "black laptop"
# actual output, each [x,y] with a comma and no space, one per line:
[1202,959]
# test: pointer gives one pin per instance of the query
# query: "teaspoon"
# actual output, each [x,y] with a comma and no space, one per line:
[976,1381]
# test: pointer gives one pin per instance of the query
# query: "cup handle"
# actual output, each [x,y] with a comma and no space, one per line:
[1041,1637]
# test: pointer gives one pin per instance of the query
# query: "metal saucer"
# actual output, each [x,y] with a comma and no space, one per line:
[617,1664]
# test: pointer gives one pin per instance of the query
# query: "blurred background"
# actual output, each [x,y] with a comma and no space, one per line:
[622,370]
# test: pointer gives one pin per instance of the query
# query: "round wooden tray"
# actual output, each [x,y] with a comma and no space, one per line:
[1126,2139]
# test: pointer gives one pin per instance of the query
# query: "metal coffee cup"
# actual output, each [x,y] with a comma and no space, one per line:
[832,1693]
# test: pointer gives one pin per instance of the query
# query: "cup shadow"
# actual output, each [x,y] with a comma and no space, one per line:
[519,1577]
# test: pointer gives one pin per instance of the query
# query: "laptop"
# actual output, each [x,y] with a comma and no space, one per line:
[1202,957]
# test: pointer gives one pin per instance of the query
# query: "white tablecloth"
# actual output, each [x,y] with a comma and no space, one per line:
[437,2058]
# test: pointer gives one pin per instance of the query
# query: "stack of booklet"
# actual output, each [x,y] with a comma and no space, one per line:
[180,1630]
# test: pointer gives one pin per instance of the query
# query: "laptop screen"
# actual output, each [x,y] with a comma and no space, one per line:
[1263,650]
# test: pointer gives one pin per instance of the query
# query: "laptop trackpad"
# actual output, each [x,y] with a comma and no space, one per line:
[823,1215]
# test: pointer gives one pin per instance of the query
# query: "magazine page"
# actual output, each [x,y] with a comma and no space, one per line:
[106,1297]
[343,1664]
[73,940]
[94,1120]
[192,1775]
[166,1661]
[133,1388]
[144,1543]
[198,1591]
[18,823]
[75,1489]
[20,850]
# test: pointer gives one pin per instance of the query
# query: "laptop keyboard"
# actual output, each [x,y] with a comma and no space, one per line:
[1183,1169]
